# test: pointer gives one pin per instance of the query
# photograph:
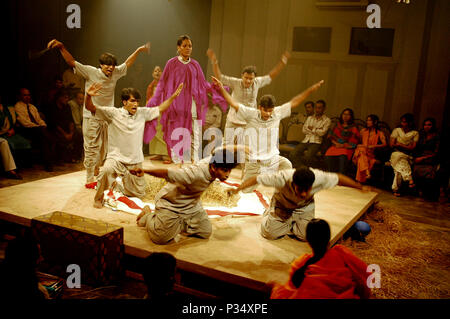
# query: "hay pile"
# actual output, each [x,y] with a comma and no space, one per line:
[414,259]
[214,195]
[154,185]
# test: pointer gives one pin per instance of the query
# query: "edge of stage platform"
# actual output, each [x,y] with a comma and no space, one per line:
[242,252]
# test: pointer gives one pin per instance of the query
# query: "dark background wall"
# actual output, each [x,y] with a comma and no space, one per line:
[115,26]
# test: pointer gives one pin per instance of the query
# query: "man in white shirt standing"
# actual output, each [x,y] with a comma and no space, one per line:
[245,90]
[315,127]
[95,130]
[262,128]
[126,130]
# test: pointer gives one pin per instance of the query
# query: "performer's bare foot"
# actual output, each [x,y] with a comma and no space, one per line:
[146,209]
[169,161]
[98,203]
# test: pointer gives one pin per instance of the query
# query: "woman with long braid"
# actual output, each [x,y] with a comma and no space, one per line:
[328,273]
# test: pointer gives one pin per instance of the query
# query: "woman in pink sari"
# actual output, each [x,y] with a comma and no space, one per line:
[364,157]
[181,123]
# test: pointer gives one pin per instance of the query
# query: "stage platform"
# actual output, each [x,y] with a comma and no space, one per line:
[236,253]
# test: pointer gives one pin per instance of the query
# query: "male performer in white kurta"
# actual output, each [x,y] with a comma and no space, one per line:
[126,130]
[94,129]
[244,90]
[262,128]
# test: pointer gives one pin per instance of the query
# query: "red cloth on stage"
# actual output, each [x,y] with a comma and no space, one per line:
[339,274]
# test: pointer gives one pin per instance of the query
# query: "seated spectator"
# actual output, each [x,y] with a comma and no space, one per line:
[344,137]
[300,118]
[8,161]
[34,128]
[48,97]
[76,107]
[159,275]
[62,127]
[426,160]
[334,273]
[17,143]
[314,129]
[18,277]
[403,140]
[371,139]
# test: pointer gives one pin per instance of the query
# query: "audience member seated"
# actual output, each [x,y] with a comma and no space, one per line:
[403,140]
[426,160]
[302,117]
[371,139]
[315,128]
[8,161]
[48,98]
[158,270]
[334,273]
[34,128]
[76,107]
[18,277]
[344,137]
[19,145]
[62,127]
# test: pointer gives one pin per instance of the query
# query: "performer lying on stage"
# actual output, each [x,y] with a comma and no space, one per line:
[125,129]
[326,273]
[178,207]
[95,130]
[292,205]
[263,129]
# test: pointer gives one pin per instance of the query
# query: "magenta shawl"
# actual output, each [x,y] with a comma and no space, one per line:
[179,113]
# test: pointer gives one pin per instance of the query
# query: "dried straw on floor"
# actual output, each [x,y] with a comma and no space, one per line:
[414,259]
[214,195]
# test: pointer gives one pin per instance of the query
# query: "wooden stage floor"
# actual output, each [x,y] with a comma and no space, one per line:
[235,253]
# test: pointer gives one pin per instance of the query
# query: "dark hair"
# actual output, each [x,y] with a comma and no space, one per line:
[433,122]
[375,121]
[352,116]
[19,266]
[158,270]
[223,158]
[322,102]
[303,178]
[267,101]
[61,92]
[108,59]
[409,118]
[181,38]
[318,236]
[128,92]
[309,102]
[249,69]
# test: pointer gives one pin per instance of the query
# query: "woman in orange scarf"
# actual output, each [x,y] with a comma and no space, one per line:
[364,157]
[333,273]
